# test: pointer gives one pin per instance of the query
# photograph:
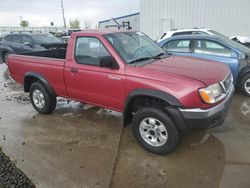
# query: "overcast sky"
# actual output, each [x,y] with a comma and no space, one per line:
[42,12]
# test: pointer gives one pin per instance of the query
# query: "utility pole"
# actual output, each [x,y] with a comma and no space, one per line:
[64,22]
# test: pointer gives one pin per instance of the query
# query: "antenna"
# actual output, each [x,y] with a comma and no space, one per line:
[64,22]
[129,6]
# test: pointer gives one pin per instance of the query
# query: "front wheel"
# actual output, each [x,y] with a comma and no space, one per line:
[155,131]
[41,100]
[245,85]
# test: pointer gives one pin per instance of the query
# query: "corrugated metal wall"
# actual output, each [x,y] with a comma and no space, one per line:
[230,17]
[134,21]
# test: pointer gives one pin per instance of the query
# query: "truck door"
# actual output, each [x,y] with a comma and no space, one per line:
[88,82]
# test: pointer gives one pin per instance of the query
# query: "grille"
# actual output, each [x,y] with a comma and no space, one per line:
[226,83]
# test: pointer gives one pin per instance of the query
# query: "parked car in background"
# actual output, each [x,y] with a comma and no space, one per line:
[177,32]
[242,40]
[216,48]
[20,43]
[65,39]
[126,71]
[2,35]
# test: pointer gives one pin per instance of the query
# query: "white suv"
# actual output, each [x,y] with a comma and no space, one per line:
[193,31]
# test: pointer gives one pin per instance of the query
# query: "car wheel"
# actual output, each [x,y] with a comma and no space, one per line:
[5,56]
[245,85]
[41,100]
[155,131]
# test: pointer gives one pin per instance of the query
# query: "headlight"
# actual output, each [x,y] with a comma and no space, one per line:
[211,94]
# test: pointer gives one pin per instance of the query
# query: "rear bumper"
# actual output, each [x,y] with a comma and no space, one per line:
[201,119]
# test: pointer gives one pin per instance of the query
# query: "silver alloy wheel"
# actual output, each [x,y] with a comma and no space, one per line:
[38,98]
[247,85]
[153,132]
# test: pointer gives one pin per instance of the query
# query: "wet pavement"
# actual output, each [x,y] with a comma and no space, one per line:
[84,146]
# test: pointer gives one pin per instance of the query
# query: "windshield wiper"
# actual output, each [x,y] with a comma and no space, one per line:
[140,59]
[159,56]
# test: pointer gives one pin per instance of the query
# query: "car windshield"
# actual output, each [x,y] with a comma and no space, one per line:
[45,39]
[236,45]
[216,33]
[134,46]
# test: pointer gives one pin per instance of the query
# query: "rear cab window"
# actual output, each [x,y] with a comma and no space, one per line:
[89,51]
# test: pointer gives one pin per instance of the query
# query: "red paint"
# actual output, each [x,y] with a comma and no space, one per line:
[178,76]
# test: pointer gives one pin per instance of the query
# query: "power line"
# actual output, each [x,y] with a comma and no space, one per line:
[64,22]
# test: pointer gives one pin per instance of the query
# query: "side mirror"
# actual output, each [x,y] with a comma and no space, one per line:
[108,62]
[28,44]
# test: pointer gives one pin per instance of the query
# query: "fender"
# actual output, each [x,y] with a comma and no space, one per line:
[127,114]
[36,76]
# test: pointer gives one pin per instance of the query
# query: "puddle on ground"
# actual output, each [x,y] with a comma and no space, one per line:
[245,109]
[3,72]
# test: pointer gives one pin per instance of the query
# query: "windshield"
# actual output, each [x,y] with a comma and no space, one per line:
[216,33]
[236,45]
[133,46]
[45,39]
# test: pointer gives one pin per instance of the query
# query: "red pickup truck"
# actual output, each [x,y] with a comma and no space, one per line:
[160,95]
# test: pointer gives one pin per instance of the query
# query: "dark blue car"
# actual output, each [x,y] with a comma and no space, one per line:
[26,42]
[215,48]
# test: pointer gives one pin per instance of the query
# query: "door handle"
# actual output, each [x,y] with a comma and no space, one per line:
[74,70]
[113,77]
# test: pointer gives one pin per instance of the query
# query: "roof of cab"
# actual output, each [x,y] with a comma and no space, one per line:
[104,31]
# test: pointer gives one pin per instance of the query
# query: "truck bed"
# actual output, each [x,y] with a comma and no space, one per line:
[50,68]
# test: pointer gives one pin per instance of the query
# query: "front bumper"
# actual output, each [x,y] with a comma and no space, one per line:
[200,119]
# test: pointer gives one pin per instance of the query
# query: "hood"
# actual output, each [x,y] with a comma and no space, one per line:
[208,72]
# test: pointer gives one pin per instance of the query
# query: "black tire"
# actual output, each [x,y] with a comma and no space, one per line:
[5,56]
[49,100]
[158,114]
[242,85]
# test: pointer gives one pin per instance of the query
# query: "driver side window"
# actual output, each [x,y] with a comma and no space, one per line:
[89,51]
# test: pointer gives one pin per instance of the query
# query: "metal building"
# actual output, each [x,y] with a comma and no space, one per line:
[230,17]
[132,19]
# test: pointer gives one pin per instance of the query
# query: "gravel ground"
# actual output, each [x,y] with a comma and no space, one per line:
[11,176]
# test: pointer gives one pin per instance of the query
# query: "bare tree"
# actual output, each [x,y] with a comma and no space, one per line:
[87,24]
[74,23]
[24,23]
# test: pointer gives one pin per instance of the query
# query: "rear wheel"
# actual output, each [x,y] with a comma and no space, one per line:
[155,131]
[245,85]
[41,100]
